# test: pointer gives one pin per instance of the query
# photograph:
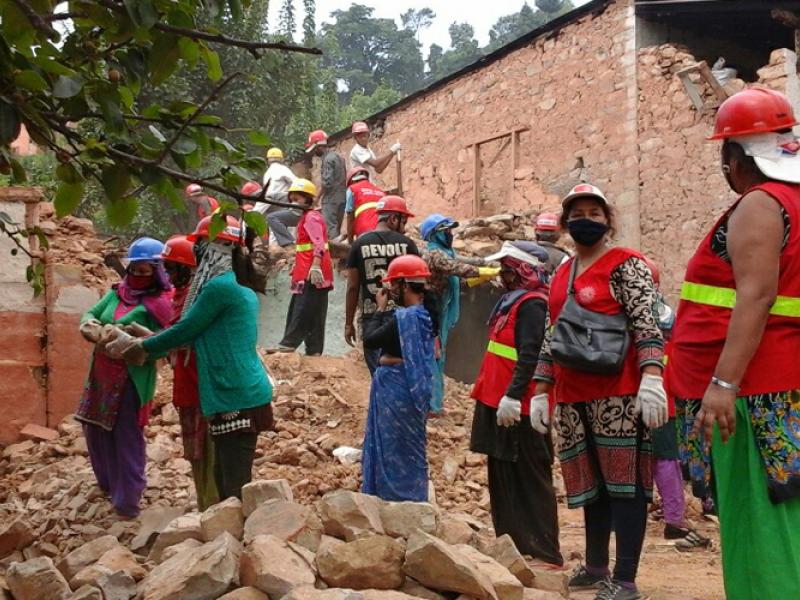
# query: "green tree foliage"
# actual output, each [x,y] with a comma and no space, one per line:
[417,20]
[464,49]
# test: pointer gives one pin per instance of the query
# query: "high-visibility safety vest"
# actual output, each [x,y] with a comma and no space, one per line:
[304,250]
[708,296]
[500,359]
[593,292]
[366,196]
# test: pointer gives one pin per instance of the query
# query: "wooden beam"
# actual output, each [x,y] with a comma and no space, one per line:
[498,136]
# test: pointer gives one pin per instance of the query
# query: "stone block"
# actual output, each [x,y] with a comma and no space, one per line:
[288,521]
[269,565]
[221,517]
[35,579]
[85,555]
[245,593]
[401,519]
[505,584]
[256,493]
[37,433]
[15,534]
[371,562]
[182,528]
[349,515]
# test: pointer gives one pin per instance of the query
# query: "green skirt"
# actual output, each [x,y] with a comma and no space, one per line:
[760,539]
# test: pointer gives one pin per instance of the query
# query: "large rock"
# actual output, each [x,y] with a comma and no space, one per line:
[401,519]
[86,555]
[350,515]
[288,521]
[117,586]
[256,493]
[505,552]
[374,562]
[14,535]
[36,579]
[177,548]
[204,573]
[222,517]
[309,593]
[152,522]
[440,566]
[118,558]
[86,592]
[505,584]
[454,530]
[532,594]
[245,593]
[271,566]
[184,527]
[416,589]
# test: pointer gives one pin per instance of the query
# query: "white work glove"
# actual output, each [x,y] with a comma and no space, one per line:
[651,401]
[540,413]
[117,347]
[91,330]
[396,147]
[508,411]
[315,276]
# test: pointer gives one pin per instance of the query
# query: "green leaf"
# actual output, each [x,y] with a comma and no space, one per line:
[126,96]
[67,173]
[236,9]
[18,174]
[184,145]
[166,188]
[116,181]
[255,220]
[30,80]
[67,87]
[107,97]
[52,66]
[163,58]
[258,138]
[67,197]
[35,277]
[9,123]
[157,133]
[217,224]
[208,120]
[120,213]
[189,50]
[148,16]
[211,59]
[222,144]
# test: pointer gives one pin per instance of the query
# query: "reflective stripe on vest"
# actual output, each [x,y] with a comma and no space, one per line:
[502,350]
[364,207]
[307,247]
[784,306]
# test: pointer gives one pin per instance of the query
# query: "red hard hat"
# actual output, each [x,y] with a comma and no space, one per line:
[193,189]
[355,171]
[653,270]
[547,222]
[751,111]
[393,204]
[316,137]
[360,127]
[179,249]
[250,188]
[408,266]
[231,233]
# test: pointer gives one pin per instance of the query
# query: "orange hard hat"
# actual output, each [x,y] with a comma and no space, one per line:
[193,189]
[316,137]
[179,249]
[231,233]
[547,221]
[653,270]
[408,267]
[250,188]
[355,171]
[360,127]
[394,204]
[751,111]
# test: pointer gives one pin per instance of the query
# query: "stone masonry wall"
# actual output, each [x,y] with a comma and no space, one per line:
[575,91]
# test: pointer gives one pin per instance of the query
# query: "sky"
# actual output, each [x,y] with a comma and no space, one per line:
[480,14]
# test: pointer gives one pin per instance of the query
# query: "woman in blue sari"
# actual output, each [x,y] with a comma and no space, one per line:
[395,464]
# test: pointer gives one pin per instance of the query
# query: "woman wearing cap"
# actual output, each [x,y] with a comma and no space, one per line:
[115,405]
[603,420]
[735,346]
[394,464]
[519,459]
[312,276]
[447,270]
[219,319]
[198,446]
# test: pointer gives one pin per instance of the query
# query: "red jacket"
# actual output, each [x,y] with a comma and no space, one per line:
[365,200]
[184,385]
[593,292]
[708,295]
[312,242]
[500,360]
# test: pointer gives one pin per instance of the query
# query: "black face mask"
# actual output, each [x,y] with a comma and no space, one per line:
[586,232]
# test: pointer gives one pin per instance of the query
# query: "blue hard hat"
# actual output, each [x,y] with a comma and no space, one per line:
[145,248]
[435,222]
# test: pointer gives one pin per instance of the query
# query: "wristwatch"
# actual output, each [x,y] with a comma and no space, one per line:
[725,385]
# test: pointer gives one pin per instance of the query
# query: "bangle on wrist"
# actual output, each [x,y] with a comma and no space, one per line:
[724,384]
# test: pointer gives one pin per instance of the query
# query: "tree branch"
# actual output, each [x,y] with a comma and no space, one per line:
[211,97]
[36,19]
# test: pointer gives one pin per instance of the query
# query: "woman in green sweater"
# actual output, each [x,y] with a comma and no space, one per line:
[115,405]
[219,320]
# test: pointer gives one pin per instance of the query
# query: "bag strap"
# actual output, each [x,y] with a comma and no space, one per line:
[571,283]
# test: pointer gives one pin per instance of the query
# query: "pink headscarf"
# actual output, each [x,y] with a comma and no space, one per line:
[530,278]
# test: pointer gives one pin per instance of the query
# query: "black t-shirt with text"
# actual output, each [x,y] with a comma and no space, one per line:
[371,254]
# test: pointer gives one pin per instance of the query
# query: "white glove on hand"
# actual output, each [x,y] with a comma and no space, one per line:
[508,412]
[91,330]
[137,330]
[651,401]
[117,347]
[540,412]
[315,276]
[396,147]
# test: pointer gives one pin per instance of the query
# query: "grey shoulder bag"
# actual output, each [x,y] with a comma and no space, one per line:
[589,341]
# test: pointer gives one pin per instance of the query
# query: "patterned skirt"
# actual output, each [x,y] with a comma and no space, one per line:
[603,445]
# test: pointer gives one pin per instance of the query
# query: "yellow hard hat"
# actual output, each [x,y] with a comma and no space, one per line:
[304,186]
[275,153]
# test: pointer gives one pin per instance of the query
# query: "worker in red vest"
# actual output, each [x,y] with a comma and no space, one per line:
[733,356]
[548,232]
[362,200]
[204,205]
[520,459]
[312,276]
